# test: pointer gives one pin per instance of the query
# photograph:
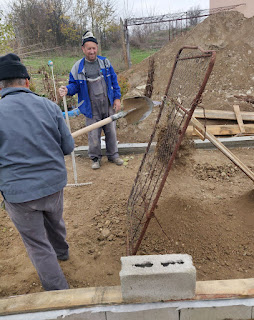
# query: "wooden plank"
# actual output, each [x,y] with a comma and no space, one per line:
[61,299]
[241,287]
[222,148]
[239,118]
[224,130]
[88,297]
[222,114]
[199,134]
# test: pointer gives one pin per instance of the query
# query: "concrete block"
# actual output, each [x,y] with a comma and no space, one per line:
[123,149]
[217,313]
[58,315]
[229,142]
[152,278]
[84,316]
[153,314]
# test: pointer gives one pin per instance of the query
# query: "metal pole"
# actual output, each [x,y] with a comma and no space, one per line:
[50,64]
[72,154]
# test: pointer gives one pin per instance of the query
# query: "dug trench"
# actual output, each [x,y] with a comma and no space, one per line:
[206,210]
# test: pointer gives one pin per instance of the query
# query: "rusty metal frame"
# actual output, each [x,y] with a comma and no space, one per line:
[150,213]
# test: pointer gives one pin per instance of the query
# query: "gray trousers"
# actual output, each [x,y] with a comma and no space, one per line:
[41,226]
[94,138]
[101,110]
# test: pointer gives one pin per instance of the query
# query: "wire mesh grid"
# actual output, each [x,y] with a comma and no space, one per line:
[186,83]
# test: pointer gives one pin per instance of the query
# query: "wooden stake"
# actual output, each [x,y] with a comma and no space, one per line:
[239,118]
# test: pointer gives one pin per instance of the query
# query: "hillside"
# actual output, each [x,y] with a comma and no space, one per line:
[230,35]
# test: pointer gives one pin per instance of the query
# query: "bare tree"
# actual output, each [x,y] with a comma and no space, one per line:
[193,16]
[40,21]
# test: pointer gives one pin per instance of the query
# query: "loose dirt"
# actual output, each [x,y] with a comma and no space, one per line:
[206,210]
[206,207]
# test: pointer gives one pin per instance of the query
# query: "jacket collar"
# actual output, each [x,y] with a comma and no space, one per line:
[12,90]
[81,67]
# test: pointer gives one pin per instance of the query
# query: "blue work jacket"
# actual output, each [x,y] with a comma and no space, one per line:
[78,84]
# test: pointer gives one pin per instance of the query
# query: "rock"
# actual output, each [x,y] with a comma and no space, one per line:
[96,255]
[107,223]
[105,232]
[110,237]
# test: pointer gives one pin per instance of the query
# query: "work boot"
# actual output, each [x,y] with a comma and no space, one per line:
[63,257]
[96,164]
[117,161]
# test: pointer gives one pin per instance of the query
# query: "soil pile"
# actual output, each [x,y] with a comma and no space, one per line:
[230,35]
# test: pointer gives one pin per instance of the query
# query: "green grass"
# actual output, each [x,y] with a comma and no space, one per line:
[37,66]
[138,55]
[61,64]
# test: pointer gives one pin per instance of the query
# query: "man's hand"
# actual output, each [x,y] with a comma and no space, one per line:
[63,91]
[117,105]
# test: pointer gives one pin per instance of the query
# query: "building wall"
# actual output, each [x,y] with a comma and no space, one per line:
[247,8]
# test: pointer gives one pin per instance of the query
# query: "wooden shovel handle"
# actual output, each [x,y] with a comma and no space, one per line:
[93,126]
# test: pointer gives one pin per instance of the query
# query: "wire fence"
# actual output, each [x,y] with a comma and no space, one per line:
[186,83]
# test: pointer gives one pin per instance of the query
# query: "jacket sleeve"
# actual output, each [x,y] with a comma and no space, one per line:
[67,142]
[115,85]
[73,86]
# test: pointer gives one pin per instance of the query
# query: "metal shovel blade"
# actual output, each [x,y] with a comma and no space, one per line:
[141,107]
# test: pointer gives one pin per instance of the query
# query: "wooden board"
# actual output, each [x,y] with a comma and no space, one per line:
[224,130]
[239,118]
[244,287]
[219,114]
[61,299]
[88,297]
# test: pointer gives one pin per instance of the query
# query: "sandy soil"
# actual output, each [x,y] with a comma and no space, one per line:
[207,213]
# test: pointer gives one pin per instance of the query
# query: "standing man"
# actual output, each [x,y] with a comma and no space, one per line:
[95,81]
[33,141]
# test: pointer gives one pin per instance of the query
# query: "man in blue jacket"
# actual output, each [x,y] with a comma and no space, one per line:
[33,141]
[95,81]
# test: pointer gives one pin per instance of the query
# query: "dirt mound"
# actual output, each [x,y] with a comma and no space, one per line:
[230,35]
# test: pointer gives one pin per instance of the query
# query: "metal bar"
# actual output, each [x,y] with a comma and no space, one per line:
[151,190]
[179,16]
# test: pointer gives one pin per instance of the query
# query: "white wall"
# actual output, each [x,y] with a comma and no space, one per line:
[247,9]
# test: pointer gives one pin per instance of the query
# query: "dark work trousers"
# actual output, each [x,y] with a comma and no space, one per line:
[101,110]
[41,226]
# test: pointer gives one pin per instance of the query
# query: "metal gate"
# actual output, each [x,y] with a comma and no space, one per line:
[190,73]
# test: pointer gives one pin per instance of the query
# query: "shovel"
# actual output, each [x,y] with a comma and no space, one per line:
[136,109]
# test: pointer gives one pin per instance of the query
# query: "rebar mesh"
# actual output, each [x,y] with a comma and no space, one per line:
[187,81]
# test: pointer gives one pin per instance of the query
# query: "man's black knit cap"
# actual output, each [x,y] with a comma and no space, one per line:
[12,68]
[88,36]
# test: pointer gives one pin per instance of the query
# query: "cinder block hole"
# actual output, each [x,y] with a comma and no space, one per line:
[144,265]
[165,264]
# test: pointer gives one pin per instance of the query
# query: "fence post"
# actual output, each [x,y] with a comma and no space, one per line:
[125,43]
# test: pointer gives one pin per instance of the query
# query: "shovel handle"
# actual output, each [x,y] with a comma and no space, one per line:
[93,126]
